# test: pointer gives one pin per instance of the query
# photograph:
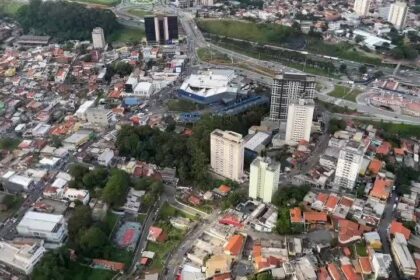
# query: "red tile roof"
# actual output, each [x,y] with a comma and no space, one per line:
[314,217]
[380,189]
[323,197]
[384,148]
[349,231]
[323,274]
[115,266]
[333,270]
[349,272]
[365,265]
[346,201]
[397,227]
[332,202]
[375,166]
[224,189]
[296,215]
[235,244]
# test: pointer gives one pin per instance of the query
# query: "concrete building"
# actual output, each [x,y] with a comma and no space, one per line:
[207,3]
[105,158]
[143,90]
[402,256]
[50,227]
[263,179]
[161,29]
[361,7]
[299,120]
[81,112]
[227,154]
[381,264]
[348,165]
[398,14]
[72,194]
[98,38]
[22,255]
[287,88]
[99,116]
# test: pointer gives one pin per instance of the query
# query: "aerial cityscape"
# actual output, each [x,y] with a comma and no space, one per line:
[209,139]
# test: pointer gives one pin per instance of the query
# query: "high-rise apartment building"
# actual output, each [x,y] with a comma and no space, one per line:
[98,38]
[161,29]
[287,88]
[263,179]
[398,14]
[348,165]
[299,120]
[227,154]
[361,7]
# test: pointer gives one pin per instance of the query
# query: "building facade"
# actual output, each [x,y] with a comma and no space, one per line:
[263,179]
[361,7]
[287,88]
[227,154]
[348,165]
[161,29]
[98,38]
[398,14]
[299,120]
[22,256]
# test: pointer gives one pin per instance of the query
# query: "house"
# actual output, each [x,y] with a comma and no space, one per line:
[349,231]
[105,158]
[397,227]
[156,234]
[110,265]
[222,191]
[365,266]
[381,188]
[349,272]
[384,148]
[218,264]
[296,215]
[72,194]
[375,166]
[373,240]
[331,203]
[314,217]
[234,245]
[334,272]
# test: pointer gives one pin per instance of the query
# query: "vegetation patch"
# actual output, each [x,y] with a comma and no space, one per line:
[9,144]
[127,35]
[101,2]
[345,93]
[10,7]
[140,13]
[181,105]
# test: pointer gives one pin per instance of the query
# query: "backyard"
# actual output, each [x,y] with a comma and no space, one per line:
[346,93]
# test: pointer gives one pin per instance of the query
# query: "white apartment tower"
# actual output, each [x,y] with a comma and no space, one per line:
[348,165]
[98,38]
[263,179]
[287,88]
[299,120]
[361,7]
[398,14]
[227,154]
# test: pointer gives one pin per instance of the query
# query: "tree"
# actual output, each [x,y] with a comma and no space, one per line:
[122,68]
[78,171]
[116,188]
[53,265]
[358,39]
[343,68]
[95,178]
[78,222]
[362,69]
[56,141]
[92,240]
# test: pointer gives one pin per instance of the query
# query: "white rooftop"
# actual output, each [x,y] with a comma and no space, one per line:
[256,140]
[40,221]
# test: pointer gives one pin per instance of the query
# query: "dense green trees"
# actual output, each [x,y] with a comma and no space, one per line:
[190,155]
[116,188]
[53,266]
[64,20]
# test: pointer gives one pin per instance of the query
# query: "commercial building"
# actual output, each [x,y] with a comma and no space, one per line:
[361,7]
[287,88]
[99,116]
[299,120]
[348,165]
[21,255]
[72,194]
[402,256]
[227,154]
[15,183]
[263,179]
[398,14]
[81,112]
[208,86]
[161,29]
[98,38]
[50,227]
[143,90]
[381,264]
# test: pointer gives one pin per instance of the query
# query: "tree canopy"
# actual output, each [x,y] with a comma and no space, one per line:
[65,20]
[116,188]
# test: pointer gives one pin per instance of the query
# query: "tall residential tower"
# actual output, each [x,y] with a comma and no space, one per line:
[398,14]
[361,7]
[227,154]
[263,179]
[287,88]
[98,38]
[299,120]
[348,165]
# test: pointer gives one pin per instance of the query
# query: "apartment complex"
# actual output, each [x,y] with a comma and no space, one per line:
[264,179]
[361,7]
[161,29]
[402,256]
[398,14]
[348,165]
[99,116]
[98,38]
[22,255]
[50,227]
[288,88]
[227,154]
[299,120]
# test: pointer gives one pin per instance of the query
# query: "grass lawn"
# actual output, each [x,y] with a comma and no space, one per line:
[110,220]
[167,211]
[10,7]
[101,2]
[81,272]
[345,93]
[140,13]
[361,249]
[401,130]
[127,35]
[120,255]
[209,55]
[180,105]
[141,218]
